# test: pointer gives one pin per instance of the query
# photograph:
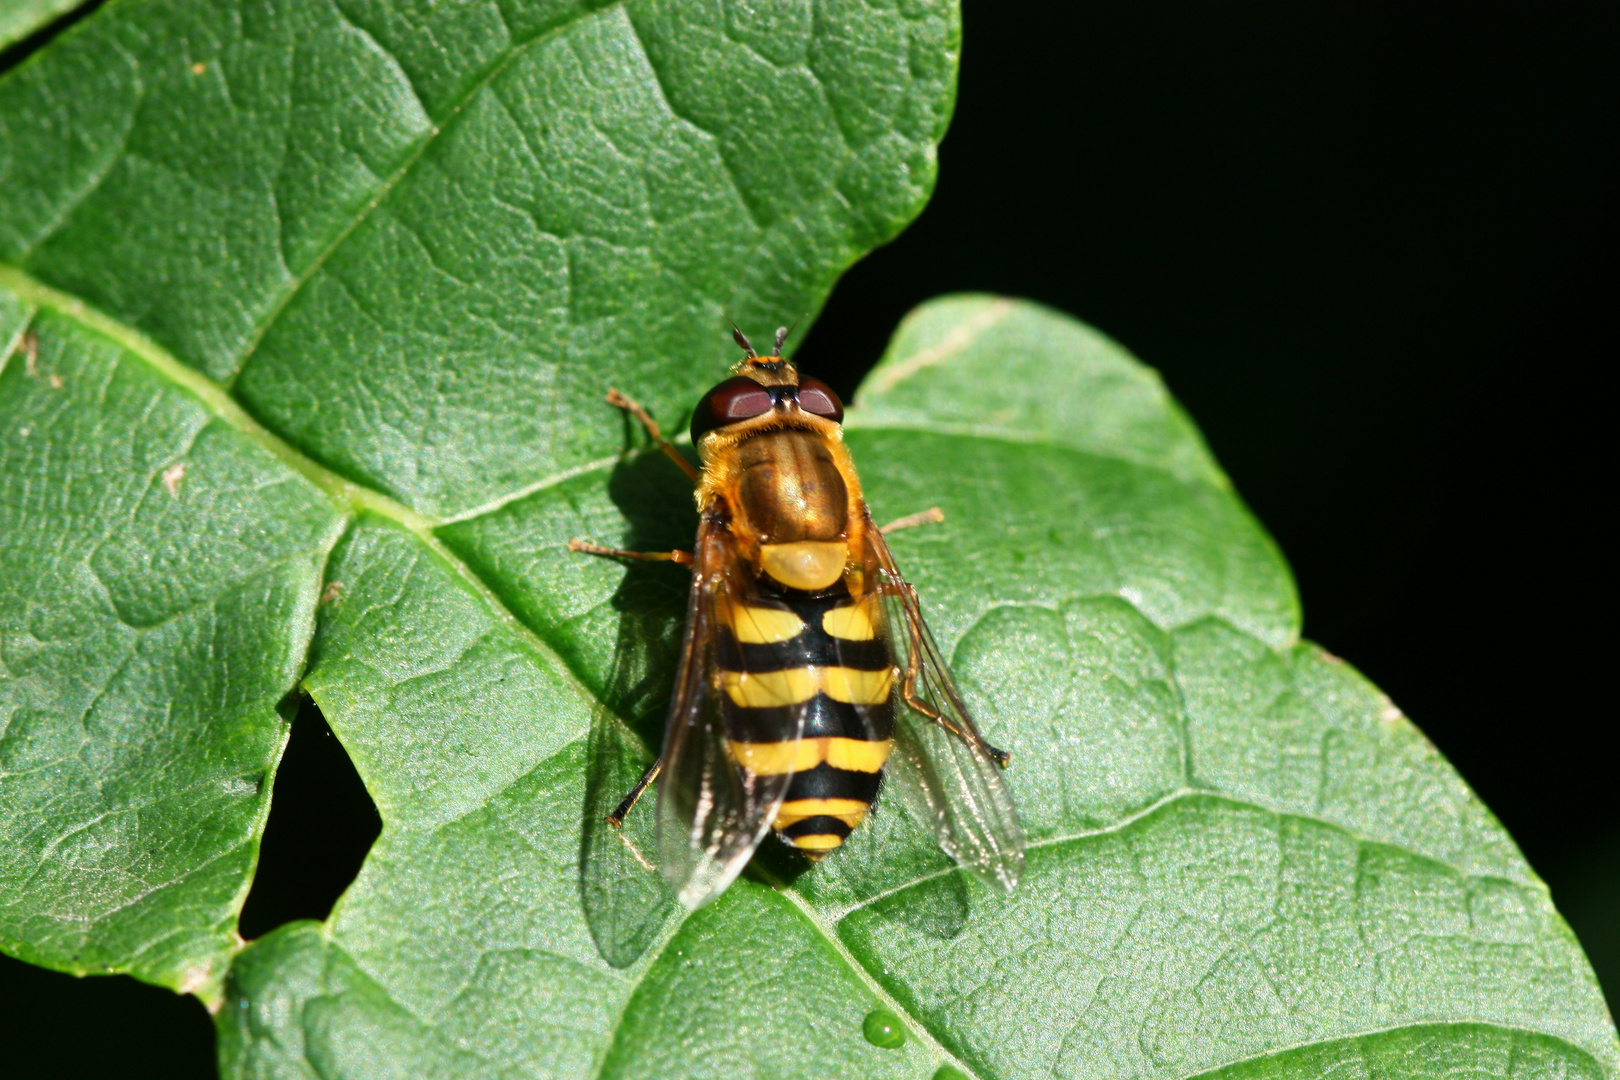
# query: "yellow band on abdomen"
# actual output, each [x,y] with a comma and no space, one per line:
[775,758]
[857,687]
[858,755]
[850,811]
[772,689]
[852,622]
[763,625]
[816,841]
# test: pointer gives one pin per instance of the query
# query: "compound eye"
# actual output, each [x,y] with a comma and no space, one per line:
[738,398]
[817,397]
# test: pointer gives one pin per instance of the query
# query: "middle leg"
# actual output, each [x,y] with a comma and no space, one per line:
[682,558]
[931,516]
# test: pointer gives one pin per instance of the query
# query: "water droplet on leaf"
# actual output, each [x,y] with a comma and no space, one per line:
[882,1028]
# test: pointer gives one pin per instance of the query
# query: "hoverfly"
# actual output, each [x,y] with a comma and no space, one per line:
[807,678]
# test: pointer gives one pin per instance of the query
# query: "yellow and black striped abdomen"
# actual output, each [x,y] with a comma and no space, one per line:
[821,659]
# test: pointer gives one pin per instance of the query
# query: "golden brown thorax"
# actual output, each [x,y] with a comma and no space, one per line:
[790,487]
[788,484]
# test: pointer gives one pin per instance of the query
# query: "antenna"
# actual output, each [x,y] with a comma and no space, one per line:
[782,333]
[742,339]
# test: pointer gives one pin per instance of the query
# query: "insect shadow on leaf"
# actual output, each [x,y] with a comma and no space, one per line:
[626,901]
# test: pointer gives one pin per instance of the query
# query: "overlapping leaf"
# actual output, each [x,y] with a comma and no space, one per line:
[416,242]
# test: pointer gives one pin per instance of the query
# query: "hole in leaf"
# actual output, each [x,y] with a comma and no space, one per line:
[322,823]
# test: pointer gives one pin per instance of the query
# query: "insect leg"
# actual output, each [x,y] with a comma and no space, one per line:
[931,516]
[616,398]
[908,692]
[616,819]
[684,558]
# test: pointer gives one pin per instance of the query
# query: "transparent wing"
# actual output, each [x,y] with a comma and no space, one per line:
[712,813]
[940,765]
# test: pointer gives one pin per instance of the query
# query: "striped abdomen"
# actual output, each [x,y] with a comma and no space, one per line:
[818,656]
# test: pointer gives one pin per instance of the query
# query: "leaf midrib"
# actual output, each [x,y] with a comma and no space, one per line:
[346,494]
[350,497]
[1209,476]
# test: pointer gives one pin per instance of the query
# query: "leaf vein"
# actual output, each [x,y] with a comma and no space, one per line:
[856,422]
[754,215]
[113,159]
[256,334]
[862,972]
[1181,795]
[1367,1033]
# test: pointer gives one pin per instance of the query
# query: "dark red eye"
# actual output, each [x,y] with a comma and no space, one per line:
[738,398]
[817,397]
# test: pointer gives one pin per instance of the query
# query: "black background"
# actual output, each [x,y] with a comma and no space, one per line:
[1371,247]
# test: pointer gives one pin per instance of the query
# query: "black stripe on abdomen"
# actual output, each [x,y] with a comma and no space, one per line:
[823,718]
[813,647]
[826,782]
[820,825]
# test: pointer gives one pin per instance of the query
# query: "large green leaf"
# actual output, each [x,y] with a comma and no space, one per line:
[412,242]
[19,18]
[356,286]
[1244,857]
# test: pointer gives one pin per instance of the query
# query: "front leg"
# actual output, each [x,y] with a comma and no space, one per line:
[653,432]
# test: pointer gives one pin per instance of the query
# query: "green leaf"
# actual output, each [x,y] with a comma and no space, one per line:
[365,275]
[412,243]
[1238,845]
[19,18]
